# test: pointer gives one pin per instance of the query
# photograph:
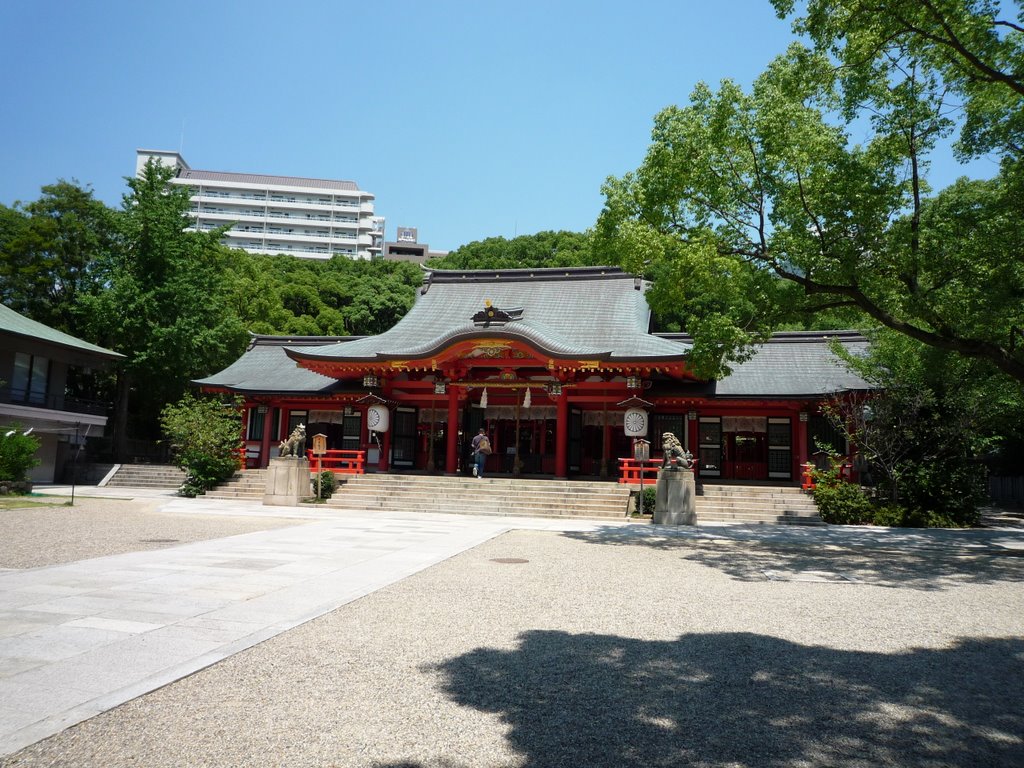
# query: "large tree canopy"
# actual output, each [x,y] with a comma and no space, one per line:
[164,302]
[816,179]
[543,249]
[49,249]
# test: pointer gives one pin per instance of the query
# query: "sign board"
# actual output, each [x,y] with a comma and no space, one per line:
[641,450]
[319,444]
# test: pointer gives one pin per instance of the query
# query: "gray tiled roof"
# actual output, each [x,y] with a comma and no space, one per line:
[264,180]
[795,364]
[592,312]
[264,367]
[14,323]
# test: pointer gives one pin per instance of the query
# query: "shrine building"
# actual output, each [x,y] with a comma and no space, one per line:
[560,369]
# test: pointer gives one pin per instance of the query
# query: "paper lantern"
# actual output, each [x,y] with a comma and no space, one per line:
[635,422]
[378,418]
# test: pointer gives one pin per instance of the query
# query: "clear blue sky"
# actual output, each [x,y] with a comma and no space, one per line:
[466,119]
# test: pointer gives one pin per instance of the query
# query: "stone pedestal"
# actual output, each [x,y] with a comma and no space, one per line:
[287,481]
[676,498]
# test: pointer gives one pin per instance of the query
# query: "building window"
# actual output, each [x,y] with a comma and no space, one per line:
[256,420]
[779,448]
[710,446]
[29,382]
[295,418]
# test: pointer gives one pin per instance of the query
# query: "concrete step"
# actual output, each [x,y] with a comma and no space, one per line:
[250,484]
[538,497]
[147,476]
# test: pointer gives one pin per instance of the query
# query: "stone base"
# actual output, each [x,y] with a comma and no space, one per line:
[15,487]
[676,498]
[287,481]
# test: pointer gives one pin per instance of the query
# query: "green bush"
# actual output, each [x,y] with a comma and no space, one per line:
[843,504]
[205,438]
[650,496]
[17,453]
[328,484]
[946,495]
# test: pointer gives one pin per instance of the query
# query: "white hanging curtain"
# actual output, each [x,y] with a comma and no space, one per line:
[326,417]
[526,400]
[427,415]
[483,399]
[744,424]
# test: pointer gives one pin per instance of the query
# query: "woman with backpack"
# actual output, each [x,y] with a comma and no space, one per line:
[481,450]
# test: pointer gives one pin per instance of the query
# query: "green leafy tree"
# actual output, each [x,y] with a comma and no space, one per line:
[49,250]
[544,249]
[810,191]
[17,453]
[206,439]
[926,432]
[165,305]
[286,295]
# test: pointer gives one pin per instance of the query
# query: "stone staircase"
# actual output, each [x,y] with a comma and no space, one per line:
[147,476]
[489,496]
[756,504]
[750,504]
[249,484]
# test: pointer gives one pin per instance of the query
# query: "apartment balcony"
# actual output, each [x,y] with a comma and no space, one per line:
[63,403]
[275,198]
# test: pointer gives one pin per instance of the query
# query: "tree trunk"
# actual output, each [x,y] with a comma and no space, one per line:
[119,428]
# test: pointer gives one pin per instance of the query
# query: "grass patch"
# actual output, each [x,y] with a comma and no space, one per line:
[19,502]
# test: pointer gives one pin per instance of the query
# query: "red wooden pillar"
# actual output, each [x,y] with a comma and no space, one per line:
[606,446]
[451,460]
[246,415]
[562,437]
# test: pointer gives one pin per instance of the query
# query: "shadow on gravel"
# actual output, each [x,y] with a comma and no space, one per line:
[745,700]
[925,561]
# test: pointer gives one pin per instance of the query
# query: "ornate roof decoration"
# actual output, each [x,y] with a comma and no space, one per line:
[491,316]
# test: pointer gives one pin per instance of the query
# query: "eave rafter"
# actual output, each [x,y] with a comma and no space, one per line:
[459,360]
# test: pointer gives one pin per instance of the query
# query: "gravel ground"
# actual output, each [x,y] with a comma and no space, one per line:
[36,536]
[618,649]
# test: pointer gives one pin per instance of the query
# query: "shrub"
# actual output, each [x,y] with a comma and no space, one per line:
[650,495]
[946,495]
[843,504]
[17,453]
[328,484]
[205,437]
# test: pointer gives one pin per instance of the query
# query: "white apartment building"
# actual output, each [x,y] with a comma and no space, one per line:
[311,218]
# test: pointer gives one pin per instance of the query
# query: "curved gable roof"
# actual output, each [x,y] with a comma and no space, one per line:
[576,312]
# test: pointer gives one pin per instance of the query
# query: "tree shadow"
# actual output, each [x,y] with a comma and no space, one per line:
[741,699]
[922,560]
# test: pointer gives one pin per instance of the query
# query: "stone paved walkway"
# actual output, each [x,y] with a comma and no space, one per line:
[81,638]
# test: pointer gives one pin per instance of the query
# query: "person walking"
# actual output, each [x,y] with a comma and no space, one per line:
[481,450]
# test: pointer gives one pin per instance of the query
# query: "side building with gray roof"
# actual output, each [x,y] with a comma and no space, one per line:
[35,363]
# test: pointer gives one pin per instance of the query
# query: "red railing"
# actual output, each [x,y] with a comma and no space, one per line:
[845,474]
[631,470]
[339,462]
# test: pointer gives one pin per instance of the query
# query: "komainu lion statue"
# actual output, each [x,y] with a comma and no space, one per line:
[675,455]
[295,445]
